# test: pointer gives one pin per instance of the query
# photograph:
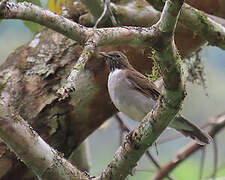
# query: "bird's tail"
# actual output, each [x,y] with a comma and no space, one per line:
[188,129]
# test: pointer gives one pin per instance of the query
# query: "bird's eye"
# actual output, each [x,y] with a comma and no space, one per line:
[117,56]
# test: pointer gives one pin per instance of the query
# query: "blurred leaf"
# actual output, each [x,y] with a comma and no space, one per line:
[56,5]
[33,27]
[221,172]
[36,2]
[183,170]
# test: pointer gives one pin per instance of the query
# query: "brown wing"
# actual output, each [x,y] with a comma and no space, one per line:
[142,84]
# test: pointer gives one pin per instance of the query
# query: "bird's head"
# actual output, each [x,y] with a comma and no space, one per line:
[116,60]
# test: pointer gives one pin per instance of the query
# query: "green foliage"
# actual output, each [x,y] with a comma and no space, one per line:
[56,5]
[79,66]
[179,59]
[33,27]
[221,172]
[183,170]
[155,74]
[141,175]
[188,170]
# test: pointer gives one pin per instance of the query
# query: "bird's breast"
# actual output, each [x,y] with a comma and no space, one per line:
[126,98]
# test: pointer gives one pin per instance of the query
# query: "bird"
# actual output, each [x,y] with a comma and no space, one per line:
[135,96]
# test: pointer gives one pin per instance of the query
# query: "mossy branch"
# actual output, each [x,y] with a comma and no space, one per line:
[142,137]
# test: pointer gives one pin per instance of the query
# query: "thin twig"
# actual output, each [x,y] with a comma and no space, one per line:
[155,162]
[215,163]
[221,167]
[107,6]
[217,124]
[112,17]
[202,162]
[102,15]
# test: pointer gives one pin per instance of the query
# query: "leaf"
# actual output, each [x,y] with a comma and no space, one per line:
[36,2]
[33,27]
[56,5]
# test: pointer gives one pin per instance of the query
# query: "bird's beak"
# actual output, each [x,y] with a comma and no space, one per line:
[107,58]
[105,55]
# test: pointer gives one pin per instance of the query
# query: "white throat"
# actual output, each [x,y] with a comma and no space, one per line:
[115,73]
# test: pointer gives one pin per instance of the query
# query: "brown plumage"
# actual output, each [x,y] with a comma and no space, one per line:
[135,96]
[142,84]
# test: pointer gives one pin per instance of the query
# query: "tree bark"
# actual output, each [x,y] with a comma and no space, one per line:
[33,74]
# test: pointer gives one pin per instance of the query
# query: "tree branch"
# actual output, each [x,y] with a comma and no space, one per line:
[73,78]
[159,36]
[123,127]
[198,22]
[193,19]
[45,162]
[77,32]
[213,32]
[30,12]
[137,13]
[217,124]
[204,26]
[142,137]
